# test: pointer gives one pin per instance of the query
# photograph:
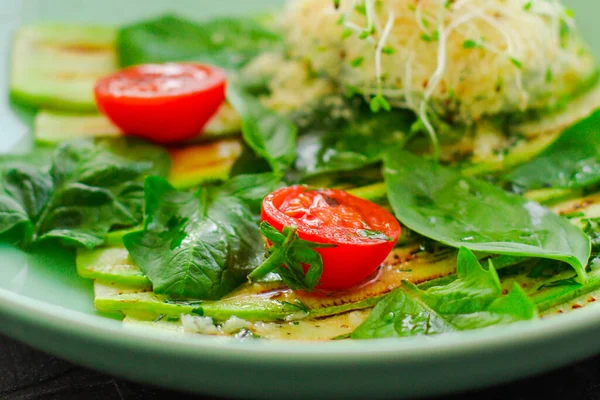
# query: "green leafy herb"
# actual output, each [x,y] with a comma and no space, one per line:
[543,270]
[433,37]
[346,144]
[401,314]
[549,75]
[516,63]
[346,33]
[577,214]
[287,255]
[271,135]
[249,162]
[78,194]
[200,245]
[572,281]
[474,300]
[227,42]
[250,188]
[361,9]
[592,229]
[366,233]
[441,204]
[40,158]
[362,36]
[357,62]
[379,103]
[470,44]
[473,290]
[573,161]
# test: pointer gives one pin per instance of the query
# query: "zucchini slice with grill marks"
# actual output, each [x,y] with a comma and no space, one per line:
[56,66]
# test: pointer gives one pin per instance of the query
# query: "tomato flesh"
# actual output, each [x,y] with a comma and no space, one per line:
[164,103]
[363,233]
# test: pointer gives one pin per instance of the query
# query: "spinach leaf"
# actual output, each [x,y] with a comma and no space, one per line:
[39,158]
[401,314]
[129,148]
[249,163]
[227,42]
[200,245]
[474,300]
[473,290]
[251,189]
[76,195]
[271,135]
[513,307]
[345,144]
[137,150]
[23,194]
[573,161]
[441,204]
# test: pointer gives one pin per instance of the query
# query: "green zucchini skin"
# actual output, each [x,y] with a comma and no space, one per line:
[252,307]
[110,265]
[51,127]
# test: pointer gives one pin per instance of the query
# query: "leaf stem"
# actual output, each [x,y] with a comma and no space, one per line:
[276,258]
[271,263]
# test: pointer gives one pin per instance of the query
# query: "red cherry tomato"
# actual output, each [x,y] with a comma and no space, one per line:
[164,103]
[363,232]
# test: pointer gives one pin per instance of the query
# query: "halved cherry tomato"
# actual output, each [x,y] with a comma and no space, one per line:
[164,103]
[363,232]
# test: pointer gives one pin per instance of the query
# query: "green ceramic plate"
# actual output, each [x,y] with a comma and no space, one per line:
[45,304]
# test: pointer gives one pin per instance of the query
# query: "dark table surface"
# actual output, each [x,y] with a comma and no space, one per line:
[27,374]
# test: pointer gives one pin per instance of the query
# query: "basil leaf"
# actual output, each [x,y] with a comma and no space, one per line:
[200,245]
[76,195]
[288,254]
[474,300]
[573,161]
[441,204]
[227,42]
[271,135]
[350,143]
[307,256]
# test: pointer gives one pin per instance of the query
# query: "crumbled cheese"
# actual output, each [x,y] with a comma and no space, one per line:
[197,324]
[235,324]
[206,325]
